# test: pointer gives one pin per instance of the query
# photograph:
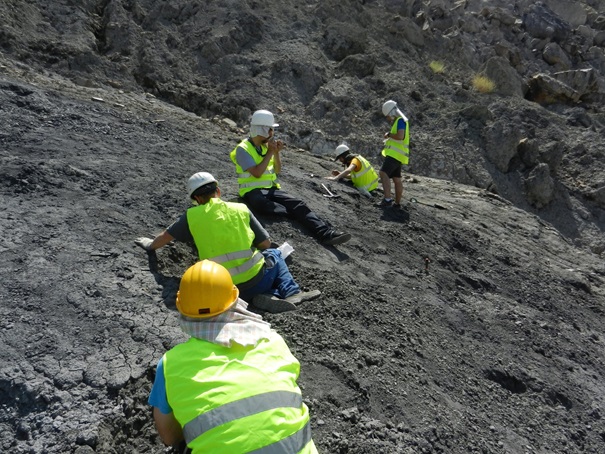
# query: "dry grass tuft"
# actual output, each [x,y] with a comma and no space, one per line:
[483,84]
[437,66]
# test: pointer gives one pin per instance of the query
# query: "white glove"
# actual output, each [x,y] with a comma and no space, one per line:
[144,242]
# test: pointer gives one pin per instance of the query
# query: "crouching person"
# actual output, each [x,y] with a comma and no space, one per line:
[231,388]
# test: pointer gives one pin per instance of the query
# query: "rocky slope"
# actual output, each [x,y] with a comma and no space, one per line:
[328,66]
[474,328]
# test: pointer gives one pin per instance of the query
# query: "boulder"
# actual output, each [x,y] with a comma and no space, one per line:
[529,152]
[358,65]
[340,41]
[507,80]
[539,186]
[552,155]
[501,140]
[554,55]
[563,86]
[407,28]
[572,12]
[541,22]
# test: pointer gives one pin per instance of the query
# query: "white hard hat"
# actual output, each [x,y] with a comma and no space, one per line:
[198,180]
[341,151]
[263,118]
[388,106]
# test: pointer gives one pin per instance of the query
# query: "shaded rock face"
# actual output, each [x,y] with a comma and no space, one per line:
[541,22]
[470,321]
[540,186]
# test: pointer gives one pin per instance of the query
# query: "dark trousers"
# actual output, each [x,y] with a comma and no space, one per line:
[276,202]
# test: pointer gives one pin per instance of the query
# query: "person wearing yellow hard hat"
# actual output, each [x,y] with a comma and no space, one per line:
[357,168]
[257,162]
[232,387]
[228,233]
[396,152]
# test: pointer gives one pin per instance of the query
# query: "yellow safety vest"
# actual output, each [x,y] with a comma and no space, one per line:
[366,177]
[221,232]
[246,181]
[398,149]
[232,400]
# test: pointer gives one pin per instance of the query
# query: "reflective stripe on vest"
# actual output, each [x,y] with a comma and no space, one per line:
[252,256]
[366,178]
[398,149]
[221,232]
[246,181]
[294,443]
[240,409]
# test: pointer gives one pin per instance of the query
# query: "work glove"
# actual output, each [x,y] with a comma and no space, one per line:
[144,242]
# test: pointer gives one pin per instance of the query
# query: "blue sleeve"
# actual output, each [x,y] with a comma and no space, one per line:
[157,396]
[401,124]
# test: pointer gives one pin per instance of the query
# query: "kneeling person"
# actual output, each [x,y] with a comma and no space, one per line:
[231,388]
[362,174]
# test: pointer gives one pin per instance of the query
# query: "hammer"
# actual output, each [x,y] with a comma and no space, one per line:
[329,193]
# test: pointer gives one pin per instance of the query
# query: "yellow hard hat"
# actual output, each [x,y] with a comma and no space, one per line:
[206,290]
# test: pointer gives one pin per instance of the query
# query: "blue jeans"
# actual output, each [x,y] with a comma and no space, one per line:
[276,280]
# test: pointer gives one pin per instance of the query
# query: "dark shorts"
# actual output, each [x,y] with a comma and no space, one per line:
[392,167]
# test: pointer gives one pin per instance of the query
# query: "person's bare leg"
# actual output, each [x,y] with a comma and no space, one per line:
[398,190]
[386,184]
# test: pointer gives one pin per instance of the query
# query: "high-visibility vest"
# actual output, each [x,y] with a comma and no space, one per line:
[366,177]
[398,149]
[231,400]
[221,232]
[246,181]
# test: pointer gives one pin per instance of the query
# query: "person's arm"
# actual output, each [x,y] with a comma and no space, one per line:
[166,424]
[261,236]
[179,231]
[278,146]
[401,127]
[258,170]
[168,427]
[266,244]
[344,174]
[246,162]
[159,241]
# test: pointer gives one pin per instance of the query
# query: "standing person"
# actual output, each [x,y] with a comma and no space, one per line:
[231,388]
[257,162]
[362,174]
[396,152]
[229,234]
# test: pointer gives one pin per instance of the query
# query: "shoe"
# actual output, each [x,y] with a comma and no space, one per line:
[333,237]
[272,304]
[385,203]
[300,297]
[396,206]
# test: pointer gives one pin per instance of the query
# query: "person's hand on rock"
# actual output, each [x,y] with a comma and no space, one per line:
[144,242]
